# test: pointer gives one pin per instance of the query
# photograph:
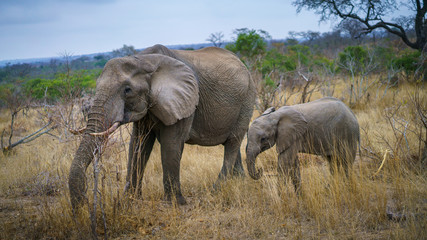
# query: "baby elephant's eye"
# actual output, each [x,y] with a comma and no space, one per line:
[128,90]
[263,139]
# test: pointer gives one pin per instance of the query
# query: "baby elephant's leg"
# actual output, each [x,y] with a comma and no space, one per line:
[288,165]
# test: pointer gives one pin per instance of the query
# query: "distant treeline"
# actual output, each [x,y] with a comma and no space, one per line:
[271,58]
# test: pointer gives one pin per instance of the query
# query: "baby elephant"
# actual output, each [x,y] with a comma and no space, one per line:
[325,127]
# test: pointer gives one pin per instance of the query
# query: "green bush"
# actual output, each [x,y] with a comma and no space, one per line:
[269,82]
[324,63]
[354,59]
[408,62]
[300,54]
[54,89]
[296,55]
[249,45]
[6,90]
[274,61]
[384,56]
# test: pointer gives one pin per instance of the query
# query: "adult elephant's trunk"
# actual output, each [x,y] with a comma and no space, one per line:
[250,163]
[84,156]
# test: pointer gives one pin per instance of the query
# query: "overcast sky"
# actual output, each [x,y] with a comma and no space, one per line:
[48,28]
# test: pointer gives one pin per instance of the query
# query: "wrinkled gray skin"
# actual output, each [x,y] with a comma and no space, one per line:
[203,97]
[86,103]
[325,127]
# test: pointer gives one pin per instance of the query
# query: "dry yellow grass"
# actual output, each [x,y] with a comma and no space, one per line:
[34,200]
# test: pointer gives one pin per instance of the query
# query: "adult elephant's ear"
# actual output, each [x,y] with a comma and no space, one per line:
[174,90]
[291,127]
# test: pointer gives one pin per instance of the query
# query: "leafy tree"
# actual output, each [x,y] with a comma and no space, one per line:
[53,89]
[358,62]
[291,41]
[82,62]
[300,54]
[373,15]
[250,45]
[408,62]
[274,61]
[100,60]
[352,27]
[11,72]
[187,48]
[4,74]
[384,56]
[124,51]
[307,37]
[294,57]
[353,59]
[6,91]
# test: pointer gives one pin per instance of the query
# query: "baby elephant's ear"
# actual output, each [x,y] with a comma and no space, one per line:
[291,128]
[268,111]
[174,91]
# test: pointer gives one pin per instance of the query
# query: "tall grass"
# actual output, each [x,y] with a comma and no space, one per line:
[34,200]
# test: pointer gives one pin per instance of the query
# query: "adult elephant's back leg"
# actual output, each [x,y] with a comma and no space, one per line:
[231,153]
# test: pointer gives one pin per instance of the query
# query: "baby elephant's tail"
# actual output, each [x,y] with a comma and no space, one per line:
[360,151]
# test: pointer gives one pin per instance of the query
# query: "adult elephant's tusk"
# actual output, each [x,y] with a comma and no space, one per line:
[77,132]
[108,131]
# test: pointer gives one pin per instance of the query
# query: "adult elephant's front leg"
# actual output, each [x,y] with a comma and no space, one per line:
[141,145]
[172,139]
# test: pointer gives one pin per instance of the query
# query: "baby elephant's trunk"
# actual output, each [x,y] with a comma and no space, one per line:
[250,163]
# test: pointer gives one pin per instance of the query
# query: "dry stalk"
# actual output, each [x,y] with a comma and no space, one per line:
[382,163]
[96,169]
[95,193]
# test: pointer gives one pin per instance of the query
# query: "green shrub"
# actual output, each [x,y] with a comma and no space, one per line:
[274,61]
[324,63]
[6,90]
[54,89]
[249,45]
[354,59]
[408,62]
[300,54]
[384,56]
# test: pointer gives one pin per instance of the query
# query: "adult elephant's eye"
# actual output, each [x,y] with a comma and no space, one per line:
[128,90]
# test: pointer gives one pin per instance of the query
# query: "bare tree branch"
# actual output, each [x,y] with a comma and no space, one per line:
[43,130]
[371,14]
[217,39]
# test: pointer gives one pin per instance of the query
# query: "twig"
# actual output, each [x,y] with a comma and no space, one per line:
[11,127]
[382,163]
[102,205]
[304,77]
[95,192]
[2,135]
[375,156]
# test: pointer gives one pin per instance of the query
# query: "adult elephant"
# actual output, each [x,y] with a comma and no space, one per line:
[202,97]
